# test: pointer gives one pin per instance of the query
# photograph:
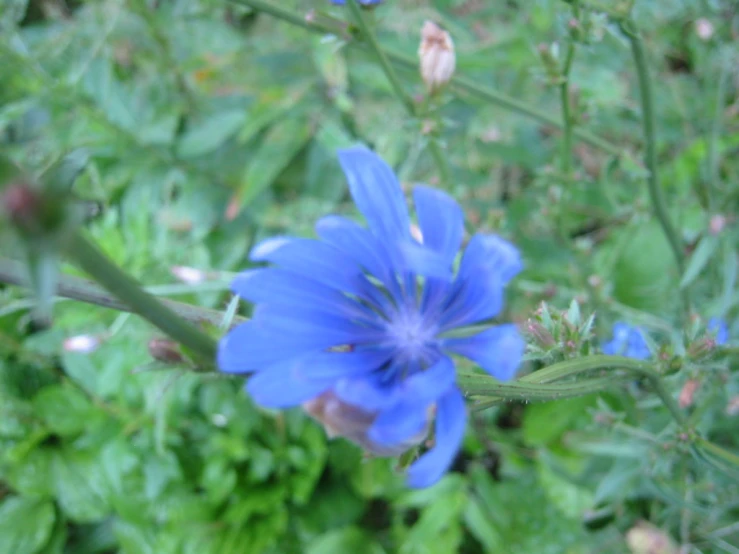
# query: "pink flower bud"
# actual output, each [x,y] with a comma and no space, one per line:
[686,394]
[437,56]
[703,28]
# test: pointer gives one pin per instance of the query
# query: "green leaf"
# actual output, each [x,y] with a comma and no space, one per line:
[280,145]
[571,499]
[545,423]
[350,539]
[699,259]
[64,409]
[82,488]
[211,133]
[25,524]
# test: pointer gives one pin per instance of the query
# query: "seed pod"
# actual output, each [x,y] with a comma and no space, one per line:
[436,54]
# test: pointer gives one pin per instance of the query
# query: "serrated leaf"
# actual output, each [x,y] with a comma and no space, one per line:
[211,133]
[699,259]
[25,524]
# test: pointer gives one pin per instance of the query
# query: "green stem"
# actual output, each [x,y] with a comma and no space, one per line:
[14,273]
[457,84]
[567,121]
[369,36]
[649,121]
[90,259]
[571,368]
[441,161]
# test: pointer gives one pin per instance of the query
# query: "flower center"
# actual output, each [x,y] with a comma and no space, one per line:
[412,336]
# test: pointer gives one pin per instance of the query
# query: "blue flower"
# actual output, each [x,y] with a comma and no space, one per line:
[719,328]
[627,341]
[356,326]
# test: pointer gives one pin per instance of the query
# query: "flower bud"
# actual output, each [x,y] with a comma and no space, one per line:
[645,538]
[340,419]
[189,275]
[437,57]
[688,392]
[84,344]
[165,350]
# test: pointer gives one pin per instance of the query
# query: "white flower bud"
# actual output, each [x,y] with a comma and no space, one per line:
[189,275]
[436,55]
[83,344]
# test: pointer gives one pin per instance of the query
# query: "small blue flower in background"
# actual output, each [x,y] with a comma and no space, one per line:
[627,341]
[355,326]
[718,327]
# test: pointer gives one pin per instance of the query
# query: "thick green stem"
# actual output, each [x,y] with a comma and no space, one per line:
[650,159]
[571,368]
[441,161]
[90,259]
[369,36]
[457,83]
[14,273]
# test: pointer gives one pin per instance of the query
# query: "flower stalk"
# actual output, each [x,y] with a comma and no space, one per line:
[650,159]
[457,84]
[90,259]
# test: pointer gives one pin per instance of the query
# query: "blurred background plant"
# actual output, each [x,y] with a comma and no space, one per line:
[601,138]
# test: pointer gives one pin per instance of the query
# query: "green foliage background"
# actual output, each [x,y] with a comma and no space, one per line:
[197,127]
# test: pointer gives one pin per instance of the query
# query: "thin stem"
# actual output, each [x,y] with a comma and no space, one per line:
[90,259]
[14,273]
[457,84]
[567,121]
[441,161]
[650,159]
[369,36]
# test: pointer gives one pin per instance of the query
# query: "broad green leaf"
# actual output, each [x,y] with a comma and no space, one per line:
[207,136]
[25,524]
[279,146]
[64,408]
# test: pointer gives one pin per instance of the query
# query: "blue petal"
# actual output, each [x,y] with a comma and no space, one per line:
[250,347]
[377,193]
[314,259]
[278,286]
[493,254]
[718,327]
[497,350]
[274,335]
[357,243]
[368,393]
[426,386]
[441,221]
[473,299]
[450,426]
[415,395]
[298,380]
[420,260]
[398,424]
[307,321]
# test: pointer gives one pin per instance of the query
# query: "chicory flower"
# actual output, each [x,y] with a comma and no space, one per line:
[627,341]
[718,327]
[356,326]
